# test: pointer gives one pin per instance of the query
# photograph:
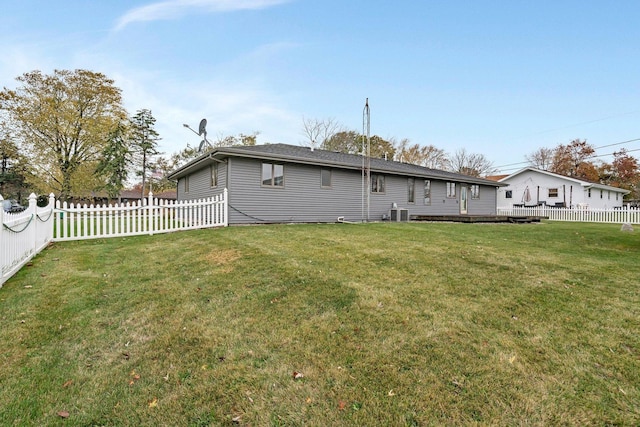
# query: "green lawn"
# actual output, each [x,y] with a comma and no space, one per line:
[382,324]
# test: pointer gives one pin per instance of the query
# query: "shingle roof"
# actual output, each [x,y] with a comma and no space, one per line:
[299,154]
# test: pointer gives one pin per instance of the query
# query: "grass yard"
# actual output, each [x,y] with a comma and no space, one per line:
[286,325]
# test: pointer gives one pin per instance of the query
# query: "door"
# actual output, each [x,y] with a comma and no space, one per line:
[463,199]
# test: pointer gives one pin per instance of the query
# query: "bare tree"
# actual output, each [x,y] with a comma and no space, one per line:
[542,158]
[317,132]
[470,164]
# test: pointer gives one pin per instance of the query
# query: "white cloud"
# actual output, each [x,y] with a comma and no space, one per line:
[230,108]
[174,9]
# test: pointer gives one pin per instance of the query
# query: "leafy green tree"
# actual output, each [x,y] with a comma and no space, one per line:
[144,141]
[352,142]
[236,140]
[348,141]
[116,161]
[184,156]
[62,121]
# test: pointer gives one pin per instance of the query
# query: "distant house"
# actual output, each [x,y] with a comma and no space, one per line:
[279,183]
[532,187]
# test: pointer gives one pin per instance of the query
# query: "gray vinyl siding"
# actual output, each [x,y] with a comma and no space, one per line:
[486,204]
[200,184]
[302,199]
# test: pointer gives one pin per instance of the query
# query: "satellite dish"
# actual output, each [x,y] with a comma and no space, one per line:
[202,127]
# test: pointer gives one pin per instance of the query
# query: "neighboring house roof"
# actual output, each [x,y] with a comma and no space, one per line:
[584,183]
[305,155]
[167,195]
[495,177]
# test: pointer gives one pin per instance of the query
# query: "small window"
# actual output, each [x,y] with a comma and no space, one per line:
[325,178]
[601,194]
[589,193]
[475,191]
[186,184]
[508,194]
[214,174]
[617,194]
[411,190]
[272,175]
[451,190]
[377,183]
[553,192]
[427,192]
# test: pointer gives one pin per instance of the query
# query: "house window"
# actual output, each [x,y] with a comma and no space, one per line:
[601,194]
[377,183]
[325,178]
[589,193]
[475,191]
[272,175]
[427,192]
[186,184]
[451,190]
[213,170]
[411,190]
[553,192]
[508,194]
[617,194]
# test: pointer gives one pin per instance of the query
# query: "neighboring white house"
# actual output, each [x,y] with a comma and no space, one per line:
[532,187]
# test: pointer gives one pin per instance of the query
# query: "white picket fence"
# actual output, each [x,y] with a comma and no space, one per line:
[625,215]
[25,234]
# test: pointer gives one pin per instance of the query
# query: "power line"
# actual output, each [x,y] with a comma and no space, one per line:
[590,157]
[505,167]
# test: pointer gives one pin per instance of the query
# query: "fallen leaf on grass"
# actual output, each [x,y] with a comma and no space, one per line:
[134,377]
[237,419]
[28,286]
[391,393]
[67,384]
[297,375]
[63,414]
[341,405]
[153,403]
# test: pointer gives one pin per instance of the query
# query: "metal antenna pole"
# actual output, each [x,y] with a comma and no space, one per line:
[366,159]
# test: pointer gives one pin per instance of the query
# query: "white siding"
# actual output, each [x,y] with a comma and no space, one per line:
[570,192]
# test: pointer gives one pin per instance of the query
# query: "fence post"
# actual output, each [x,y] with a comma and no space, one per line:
[150,210]
[3,255]
[52,205]
[32,235]
[225,207]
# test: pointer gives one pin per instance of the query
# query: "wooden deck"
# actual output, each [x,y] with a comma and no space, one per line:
[514,219]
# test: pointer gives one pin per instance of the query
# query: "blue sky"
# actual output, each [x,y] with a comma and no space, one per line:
[500,78]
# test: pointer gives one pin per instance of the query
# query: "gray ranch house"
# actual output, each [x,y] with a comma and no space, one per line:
[280,183]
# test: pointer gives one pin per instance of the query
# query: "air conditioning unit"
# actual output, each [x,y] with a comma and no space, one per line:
[399,214]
